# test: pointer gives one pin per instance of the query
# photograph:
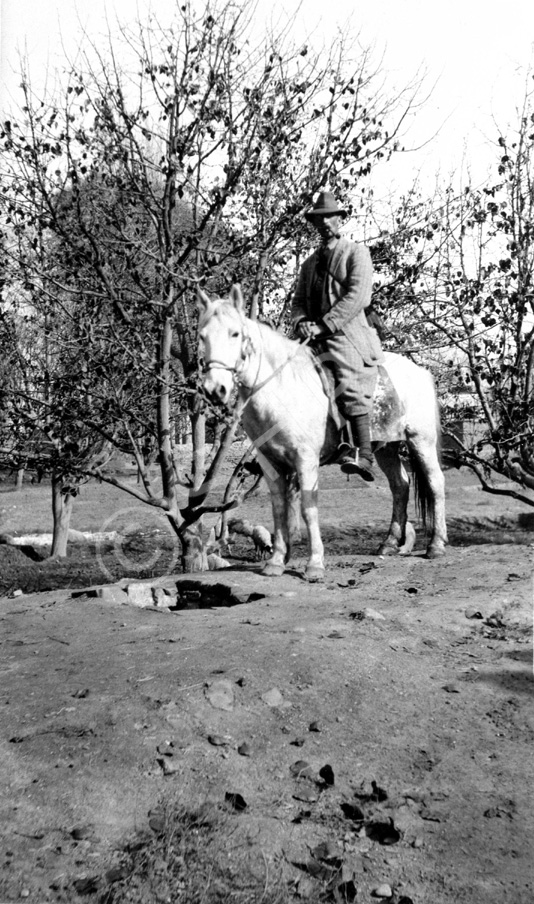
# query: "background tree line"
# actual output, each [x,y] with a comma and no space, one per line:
[458,290]
[183,155]
[188,163]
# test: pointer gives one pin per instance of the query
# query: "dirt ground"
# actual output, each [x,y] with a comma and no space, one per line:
[402,688]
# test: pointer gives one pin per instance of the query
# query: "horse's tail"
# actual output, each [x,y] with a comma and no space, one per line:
[423,494]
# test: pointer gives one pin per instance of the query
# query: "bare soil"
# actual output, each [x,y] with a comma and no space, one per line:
[414,730]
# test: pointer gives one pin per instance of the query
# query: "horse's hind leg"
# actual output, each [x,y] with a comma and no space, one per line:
[401,535]
[430,489]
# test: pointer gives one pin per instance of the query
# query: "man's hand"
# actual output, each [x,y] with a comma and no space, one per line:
[307,329]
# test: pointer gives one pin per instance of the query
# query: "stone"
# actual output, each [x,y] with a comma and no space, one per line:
[372,613]
[140,595]
[382,891]
[113,594]
[326,850]
[307,887]
[110,593]
[218,740]
[407,820]
[169,766]
[185,740]
[216,563]
[163,598]
[221,694]
[116,873]
[81,832]
[184,734]
[307,795]
[166,748]
[472,612]
[273,697]
[301,769]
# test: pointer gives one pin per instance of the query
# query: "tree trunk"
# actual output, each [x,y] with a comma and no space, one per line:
[194,556]
[62,510]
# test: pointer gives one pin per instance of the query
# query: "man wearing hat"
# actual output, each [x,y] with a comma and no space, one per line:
[333,291]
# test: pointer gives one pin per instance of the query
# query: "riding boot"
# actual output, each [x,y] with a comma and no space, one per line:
[360,459]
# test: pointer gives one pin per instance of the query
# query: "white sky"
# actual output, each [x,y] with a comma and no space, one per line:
[476,52]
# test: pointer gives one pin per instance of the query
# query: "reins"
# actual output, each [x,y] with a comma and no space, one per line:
[275,373]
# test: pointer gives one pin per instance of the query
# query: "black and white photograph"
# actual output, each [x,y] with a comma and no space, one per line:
[266,452]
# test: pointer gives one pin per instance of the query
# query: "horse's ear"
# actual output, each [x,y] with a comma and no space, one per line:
[203,302]
[236,297]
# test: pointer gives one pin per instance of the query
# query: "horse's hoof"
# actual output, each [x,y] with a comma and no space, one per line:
[387,550]
[314,575]
[272,571]
[435,552]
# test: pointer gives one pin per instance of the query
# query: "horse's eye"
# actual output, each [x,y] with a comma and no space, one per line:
[234,334]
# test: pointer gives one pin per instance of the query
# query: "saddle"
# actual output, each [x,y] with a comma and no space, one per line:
[388,421]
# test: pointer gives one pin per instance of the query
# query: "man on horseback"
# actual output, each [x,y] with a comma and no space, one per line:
[333,291]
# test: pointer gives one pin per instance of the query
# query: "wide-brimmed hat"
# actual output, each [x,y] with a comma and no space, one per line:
[325,203]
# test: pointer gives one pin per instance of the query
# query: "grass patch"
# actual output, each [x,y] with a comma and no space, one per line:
[193,855]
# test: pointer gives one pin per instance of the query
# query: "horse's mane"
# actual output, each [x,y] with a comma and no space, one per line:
[268,334]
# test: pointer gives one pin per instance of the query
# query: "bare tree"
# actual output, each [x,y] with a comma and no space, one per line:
[185,163]
[458,288]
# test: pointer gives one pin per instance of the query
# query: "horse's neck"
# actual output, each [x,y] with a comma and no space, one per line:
[269,351]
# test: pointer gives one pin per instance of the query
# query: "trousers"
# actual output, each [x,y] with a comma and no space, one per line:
[355,381]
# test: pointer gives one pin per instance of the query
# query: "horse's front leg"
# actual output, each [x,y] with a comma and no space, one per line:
[308,472]
[276,563]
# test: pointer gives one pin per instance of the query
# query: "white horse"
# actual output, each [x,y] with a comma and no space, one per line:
[288,415]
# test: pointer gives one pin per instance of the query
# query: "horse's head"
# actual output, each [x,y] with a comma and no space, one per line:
[224,342]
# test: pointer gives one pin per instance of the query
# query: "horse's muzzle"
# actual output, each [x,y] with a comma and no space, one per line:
[216,389]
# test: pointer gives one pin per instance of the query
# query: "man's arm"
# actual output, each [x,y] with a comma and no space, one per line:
[303,326]
[298,305]
[358,286]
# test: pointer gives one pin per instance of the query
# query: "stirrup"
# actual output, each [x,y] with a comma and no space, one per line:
[353,464]
[342,454]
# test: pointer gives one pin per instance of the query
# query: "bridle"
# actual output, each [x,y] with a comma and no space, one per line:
[238,368]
